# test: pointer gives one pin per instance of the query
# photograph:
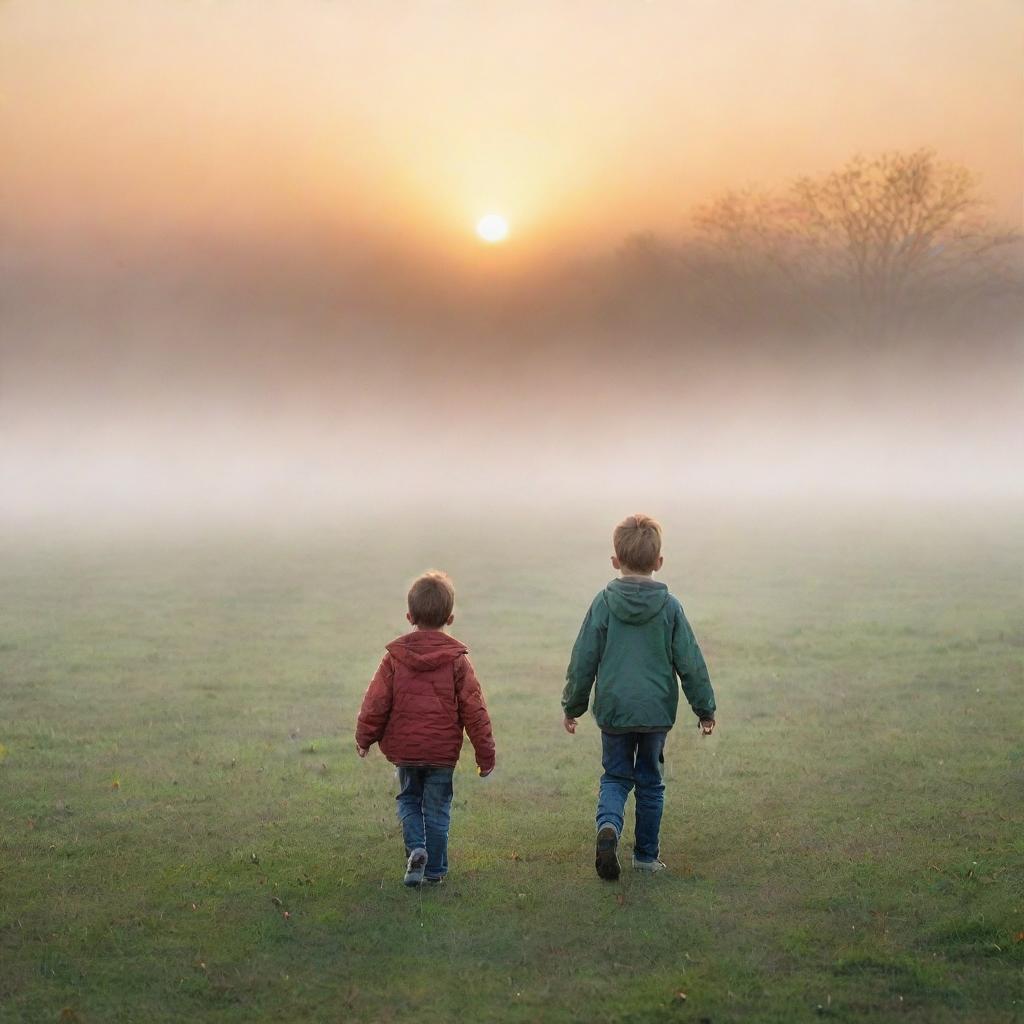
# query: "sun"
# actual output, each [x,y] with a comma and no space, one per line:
[492,228]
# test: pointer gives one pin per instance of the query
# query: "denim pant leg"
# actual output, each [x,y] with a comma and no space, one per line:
[410,807]
[617,780]
[650,793]
[437,815]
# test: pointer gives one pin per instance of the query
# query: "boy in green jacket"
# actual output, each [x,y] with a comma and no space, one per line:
[634,641]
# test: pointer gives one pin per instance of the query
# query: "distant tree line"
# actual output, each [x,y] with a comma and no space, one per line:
[896,243]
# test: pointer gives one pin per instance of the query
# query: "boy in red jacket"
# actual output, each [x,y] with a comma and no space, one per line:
[421,697]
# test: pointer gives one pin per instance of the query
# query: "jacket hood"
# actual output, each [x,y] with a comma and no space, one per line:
[634,602]
[426,649]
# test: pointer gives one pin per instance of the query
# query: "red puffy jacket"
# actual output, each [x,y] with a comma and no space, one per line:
[422,695]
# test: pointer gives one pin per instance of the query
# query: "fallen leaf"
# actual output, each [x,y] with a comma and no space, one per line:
[115,784]
[1019,937]
[680,997]
[620,899]
[287,916]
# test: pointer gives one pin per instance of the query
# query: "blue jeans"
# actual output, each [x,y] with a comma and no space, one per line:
[425,811]
[633,759]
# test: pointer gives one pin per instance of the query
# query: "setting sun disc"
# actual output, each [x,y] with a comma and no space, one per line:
[492,228]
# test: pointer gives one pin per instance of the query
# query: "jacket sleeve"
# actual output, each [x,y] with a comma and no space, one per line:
[690,667]
[473,713]
[584,660]
[376,708]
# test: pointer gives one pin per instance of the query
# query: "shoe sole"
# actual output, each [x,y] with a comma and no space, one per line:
[414,878]
[607,861]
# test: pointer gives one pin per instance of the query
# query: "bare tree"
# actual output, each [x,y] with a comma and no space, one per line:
[748,225]
[898,224]
[891,233]
[751,251]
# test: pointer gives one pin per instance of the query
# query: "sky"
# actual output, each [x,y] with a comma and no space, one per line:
[236,240]
[579,120]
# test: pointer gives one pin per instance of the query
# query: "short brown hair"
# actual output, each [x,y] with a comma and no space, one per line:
[431,599]
[637,542]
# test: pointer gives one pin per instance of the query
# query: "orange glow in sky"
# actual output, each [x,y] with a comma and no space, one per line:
[579,122]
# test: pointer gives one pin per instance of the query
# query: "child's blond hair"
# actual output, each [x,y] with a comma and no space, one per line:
[637,542]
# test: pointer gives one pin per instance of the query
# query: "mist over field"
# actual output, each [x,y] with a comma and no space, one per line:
[133,390]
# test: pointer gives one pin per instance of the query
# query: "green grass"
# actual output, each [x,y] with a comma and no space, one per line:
[177,772]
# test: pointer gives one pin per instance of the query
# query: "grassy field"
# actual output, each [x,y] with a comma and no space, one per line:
[187,834]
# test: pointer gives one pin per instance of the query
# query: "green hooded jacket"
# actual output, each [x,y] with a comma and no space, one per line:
[634,641]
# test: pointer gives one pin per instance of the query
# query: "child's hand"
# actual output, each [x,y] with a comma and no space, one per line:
[569,724]
[361,751]
[707,726]
[484,774]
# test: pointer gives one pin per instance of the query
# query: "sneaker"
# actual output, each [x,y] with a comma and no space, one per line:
[415,868]
[433,880]
[606,861]
[650,866]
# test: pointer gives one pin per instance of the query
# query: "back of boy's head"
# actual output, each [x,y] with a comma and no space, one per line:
[637,543]
[431,599]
